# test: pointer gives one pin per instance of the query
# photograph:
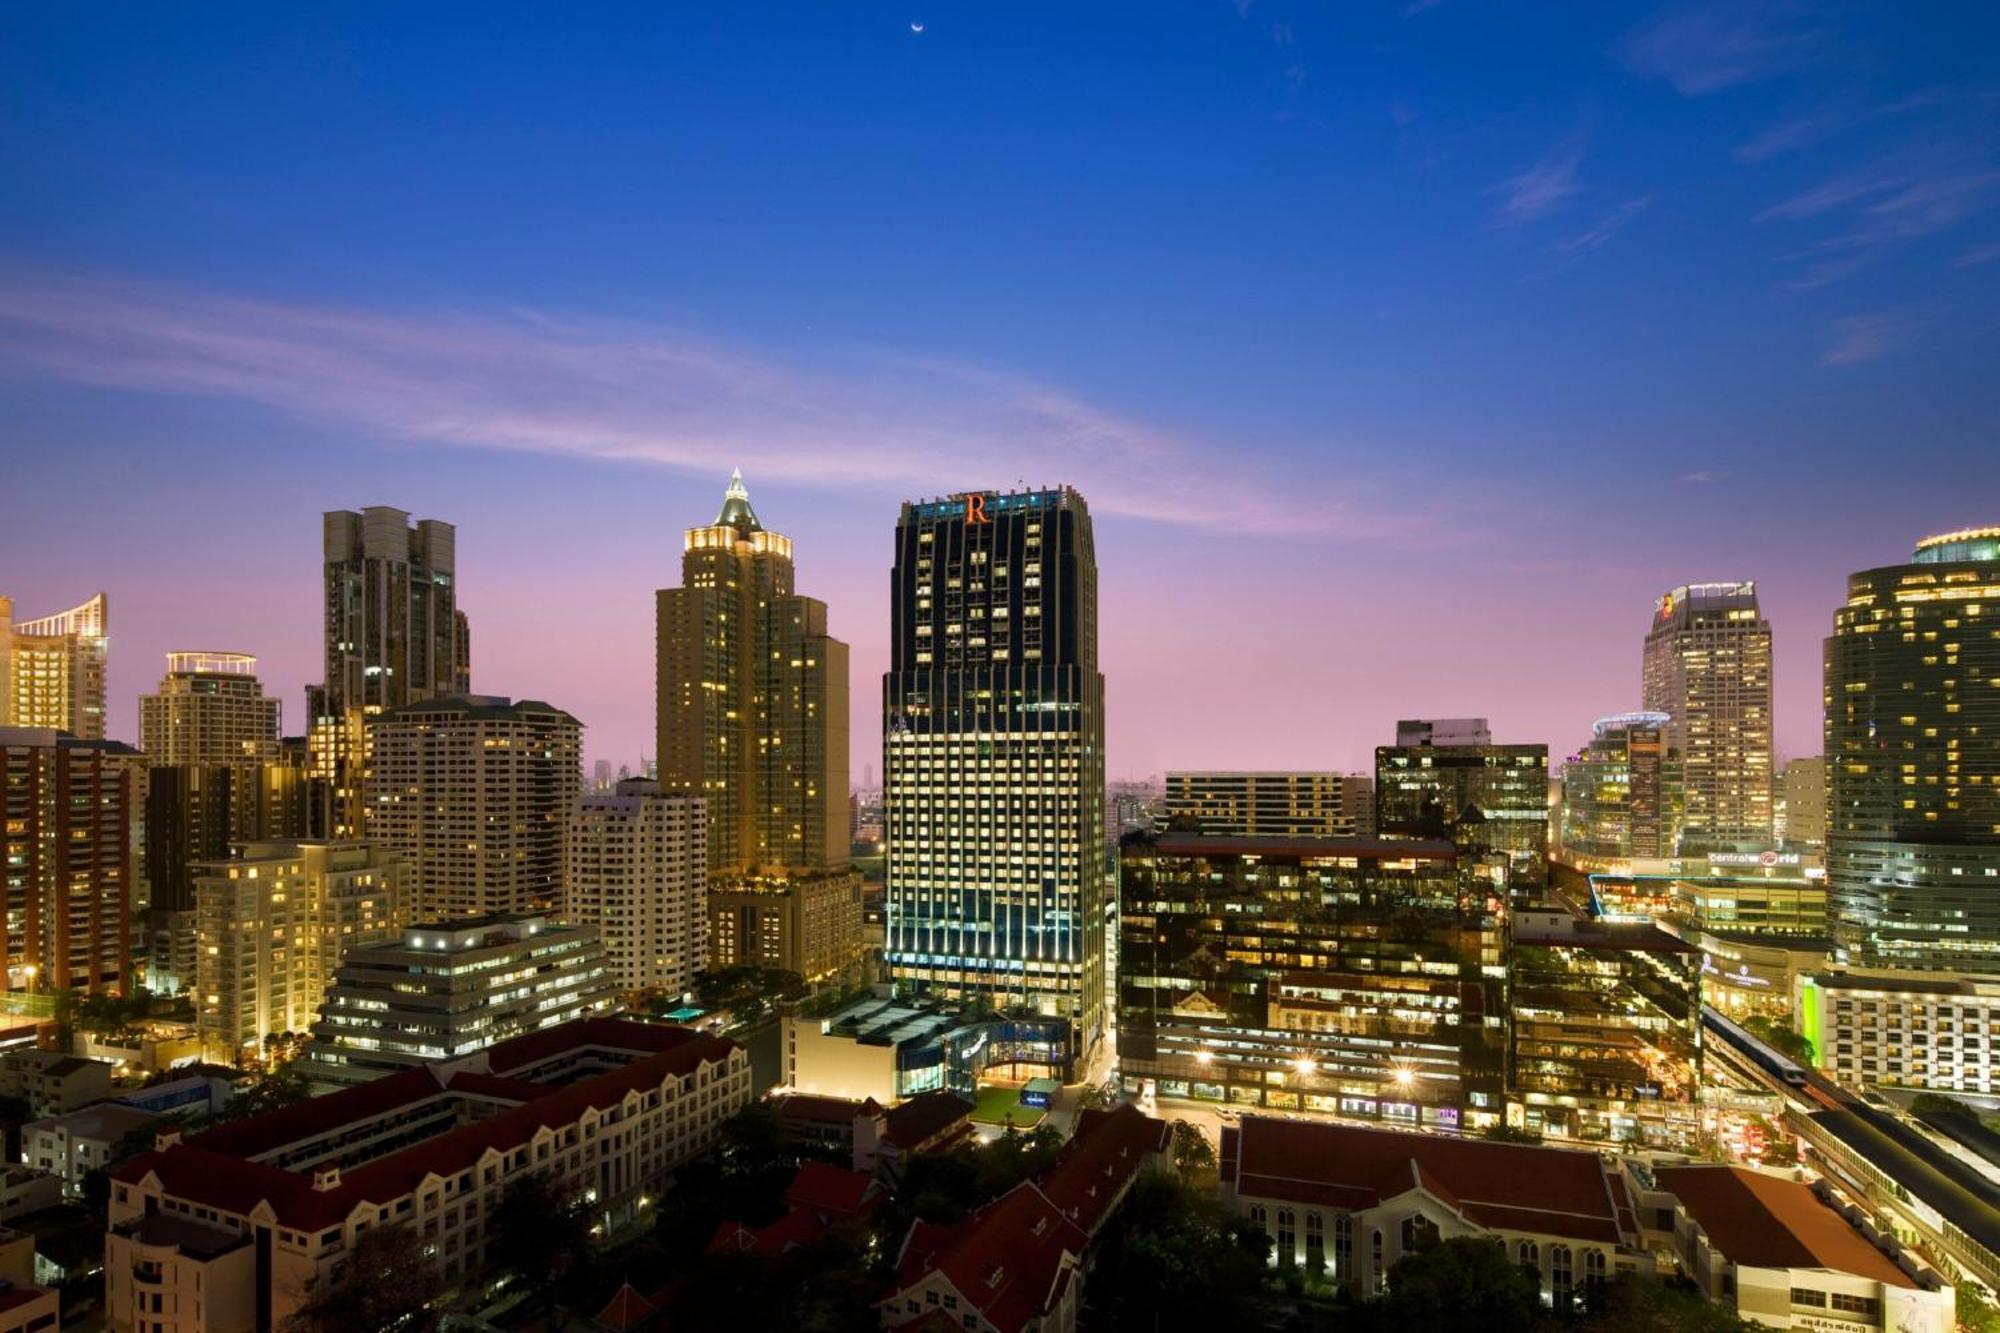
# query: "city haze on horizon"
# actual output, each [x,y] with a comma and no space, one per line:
[1394,391]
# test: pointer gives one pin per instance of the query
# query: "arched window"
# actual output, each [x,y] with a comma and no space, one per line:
[1593,1268]
[1562,1275]
[1381,1278]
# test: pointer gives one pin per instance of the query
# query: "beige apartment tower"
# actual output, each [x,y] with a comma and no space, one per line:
[273,922]
[52,669]
[636,870]
[476,791]
[209,709]
[1707,666]
[753,719]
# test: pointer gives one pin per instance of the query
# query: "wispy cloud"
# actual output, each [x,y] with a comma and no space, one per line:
[1882,206]
[1858,338]
[1978,254]
[637,392]
[1784,137]
[1416,7]
[1543,188]
[1703,478]
[1594,237]
[1705,47]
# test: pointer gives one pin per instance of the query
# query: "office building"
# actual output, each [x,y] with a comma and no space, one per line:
[209,709]
[1802,790]
[230,1229]
[69,825]
[752,716]
[1443,731]
[1606,1030]
[636,871]
[993,757]
[1783,1254]
[1344,976]
[1345,1202]
[52,669]
[807,923]
[1490,801]
[1615,791]
[448,989]
[1913,759]
[1900,1030]
[1271,805]
[394,635]
[271,925]
[477,792]
[1707,666]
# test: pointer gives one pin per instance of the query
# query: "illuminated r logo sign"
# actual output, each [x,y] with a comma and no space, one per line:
[975,509]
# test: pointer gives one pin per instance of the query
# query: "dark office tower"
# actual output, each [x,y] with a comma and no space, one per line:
[993,757]
[1707,666]
[394,636]
[1913,759]
[1490,801]
[1614,803]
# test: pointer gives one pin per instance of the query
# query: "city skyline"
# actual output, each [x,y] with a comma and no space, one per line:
[1500,327]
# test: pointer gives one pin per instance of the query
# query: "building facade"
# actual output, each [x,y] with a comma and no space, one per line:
[69,834]
[1271,805]
[235,1229]
[1898,1030]
[209,709]
[1913,759]
[1490,801]
[445,990]
[477,792]
[52,669]
[1341,976]
[811,924]
[993,757]
[273,922]
[1802,788]
[636,871]
[1616,793]
[1707,666]
[1606,1031]
[394,635]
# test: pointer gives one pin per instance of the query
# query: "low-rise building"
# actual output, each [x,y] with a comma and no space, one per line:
[887,1048]
[1784,1255]
[1348,1201]
[53,1083]
[1903,1030]
[24,1306]
[74,1145]
[448,989]
[246,1220]
[27,1189]
[808,923]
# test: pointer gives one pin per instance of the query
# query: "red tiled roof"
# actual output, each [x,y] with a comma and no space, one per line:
[611,1034]
[826,1188]
[766,1242]
[1550,1191]
[626,1311]
[924,1117]
[1011,1260]
[199,1171]
[819,1110]
[1760,1221]
[255,1135]
[1101,1161]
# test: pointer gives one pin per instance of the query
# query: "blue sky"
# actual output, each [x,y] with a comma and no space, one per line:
[1404,350]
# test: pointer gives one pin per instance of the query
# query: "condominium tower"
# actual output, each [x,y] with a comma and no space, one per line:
[636,869]
[209,709]
[1615,801]
[52,669]
[477,791]
[394,635]
[1707,666]
[993,757]
[1913,759]
[1272,805]
[752,718]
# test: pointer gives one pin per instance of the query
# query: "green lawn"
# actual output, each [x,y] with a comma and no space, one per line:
[997,1104]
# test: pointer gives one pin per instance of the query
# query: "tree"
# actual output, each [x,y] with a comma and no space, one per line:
[1629,1303]
[1465,1282]
[1194,1155]
[1505,1133]
[386,1282]
[540,1236]
[1179,1259]
[282,1087]
[1975,1313]
[1779,1038]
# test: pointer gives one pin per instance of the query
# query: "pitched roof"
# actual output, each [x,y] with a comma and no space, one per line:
[1101,1161]
[826,1188]
[1011,1260]
[626,1310]
[1517,1187]
[1760,1221]
[814,1109]
[924,1117]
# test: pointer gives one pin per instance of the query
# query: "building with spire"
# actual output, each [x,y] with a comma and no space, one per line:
[752,718]
[52,669]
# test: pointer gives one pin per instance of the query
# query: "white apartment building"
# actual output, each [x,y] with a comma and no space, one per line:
[636,870]
[1903,1029]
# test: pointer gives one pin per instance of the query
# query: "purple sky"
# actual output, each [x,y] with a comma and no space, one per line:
[1406,352]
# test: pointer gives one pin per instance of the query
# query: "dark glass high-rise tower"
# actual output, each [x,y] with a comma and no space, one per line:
[993,757]
[1913,759]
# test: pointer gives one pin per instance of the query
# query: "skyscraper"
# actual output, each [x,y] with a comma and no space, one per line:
[209,710]
[1707,666]
[1448,780]
[636,869]
[1614,789]
[752,699]
[1803,786]
[1913,759]
[993,757]
[52,669]
[477,792]
[394,635]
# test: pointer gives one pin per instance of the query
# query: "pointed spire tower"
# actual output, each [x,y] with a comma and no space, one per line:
[736,511]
